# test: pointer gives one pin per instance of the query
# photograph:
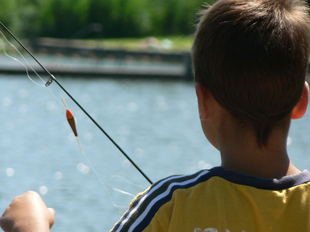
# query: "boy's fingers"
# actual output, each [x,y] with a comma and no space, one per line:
[5,224]
[51,216]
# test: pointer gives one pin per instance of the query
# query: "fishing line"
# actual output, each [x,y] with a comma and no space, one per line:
[80,147]
[26,66]
[53,79]
[23,62]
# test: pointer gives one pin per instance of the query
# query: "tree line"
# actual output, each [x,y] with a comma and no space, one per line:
[100,18]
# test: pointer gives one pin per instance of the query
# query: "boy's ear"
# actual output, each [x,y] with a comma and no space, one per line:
[202,95]
[301,107]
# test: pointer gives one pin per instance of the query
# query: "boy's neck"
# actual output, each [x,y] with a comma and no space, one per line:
[258,168]
[242,154]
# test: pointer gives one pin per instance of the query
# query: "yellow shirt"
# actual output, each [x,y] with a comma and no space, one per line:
[218,200]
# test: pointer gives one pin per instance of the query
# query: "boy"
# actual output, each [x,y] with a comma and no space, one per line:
[250,61]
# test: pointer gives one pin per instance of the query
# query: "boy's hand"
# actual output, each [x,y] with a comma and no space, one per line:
[27,213]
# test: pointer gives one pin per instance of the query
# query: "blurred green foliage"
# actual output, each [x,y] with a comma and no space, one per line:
[100,18]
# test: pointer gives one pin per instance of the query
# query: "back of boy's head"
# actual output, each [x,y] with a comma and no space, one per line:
[252,55]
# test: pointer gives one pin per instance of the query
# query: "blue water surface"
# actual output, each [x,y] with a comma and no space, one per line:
[89,182]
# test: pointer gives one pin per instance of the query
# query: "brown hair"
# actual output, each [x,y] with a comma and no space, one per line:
[252,55]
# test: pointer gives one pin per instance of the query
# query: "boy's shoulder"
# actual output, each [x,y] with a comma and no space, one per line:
[184,194]
[220,176]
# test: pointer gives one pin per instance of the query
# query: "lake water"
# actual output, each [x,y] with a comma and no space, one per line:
[156,123]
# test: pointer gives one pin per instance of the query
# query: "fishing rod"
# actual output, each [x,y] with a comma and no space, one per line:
[53,79]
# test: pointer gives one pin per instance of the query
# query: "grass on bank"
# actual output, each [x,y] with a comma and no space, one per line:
[174,43]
